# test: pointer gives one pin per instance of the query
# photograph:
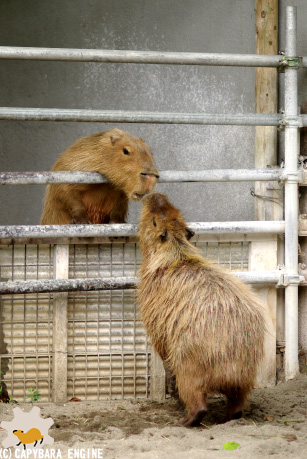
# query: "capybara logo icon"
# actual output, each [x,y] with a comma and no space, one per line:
[33,435]
[27,430]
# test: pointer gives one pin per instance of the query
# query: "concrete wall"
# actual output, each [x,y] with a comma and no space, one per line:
[173,25]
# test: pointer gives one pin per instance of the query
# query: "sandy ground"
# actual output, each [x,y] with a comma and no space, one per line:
[273,424]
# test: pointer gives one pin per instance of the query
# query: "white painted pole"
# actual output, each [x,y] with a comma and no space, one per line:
[291,203]
[60,301]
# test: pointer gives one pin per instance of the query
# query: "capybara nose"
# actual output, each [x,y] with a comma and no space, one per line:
[150,169]
[149,181]
[153,174]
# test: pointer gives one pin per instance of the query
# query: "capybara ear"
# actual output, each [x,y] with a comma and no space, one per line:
[115,137]
[189,233]
[163,235]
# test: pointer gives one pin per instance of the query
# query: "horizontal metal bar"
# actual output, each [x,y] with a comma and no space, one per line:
[260,277]
[112,283]
[217,175]
[126,229]
[276,227]
[68,285]
[42,178]
[39,231]
[139,57]
[119,116]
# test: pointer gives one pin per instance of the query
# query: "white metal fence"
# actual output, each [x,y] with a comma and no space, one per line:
[290,176]
[108,355]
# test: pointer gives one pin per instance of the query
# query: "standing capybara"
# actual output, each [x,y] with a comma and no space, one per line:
[207,326]
[125,160]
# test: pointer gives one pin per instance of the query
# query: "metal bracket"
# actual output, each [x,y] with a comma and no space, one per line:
[290,121]
[290,63]
[289,279]
[292,176]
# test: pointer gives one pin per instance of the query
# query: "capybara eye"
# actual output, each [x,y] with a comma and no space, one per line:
[154,221]
[126,152]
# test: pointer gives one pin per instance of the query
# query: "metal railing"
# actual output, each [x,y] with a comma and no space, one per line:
[118,116]
[144,57]
[291,121]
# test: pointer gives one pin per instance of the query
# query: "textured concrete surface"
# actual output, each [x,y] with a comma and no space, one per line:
[200,26]
[173,25]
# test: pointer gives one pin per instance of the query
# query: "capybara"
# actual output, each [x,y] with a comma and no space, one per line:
[206,325]
[125,160]
[32,436]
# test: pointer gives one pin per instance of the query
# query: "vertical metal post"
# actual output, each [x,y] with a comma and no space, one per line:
[291,202]
[59,359]
[157,377]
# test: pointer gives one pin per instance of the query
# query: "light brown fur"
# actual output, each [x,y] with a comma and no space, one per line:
[125,160]
[207,326]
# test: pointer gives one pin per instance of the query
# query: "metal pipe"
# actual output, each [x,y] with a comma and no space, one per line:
[119,116]
[291,202]
[112,283]
[68,285]
[125,229]
[217,175]
[138,57]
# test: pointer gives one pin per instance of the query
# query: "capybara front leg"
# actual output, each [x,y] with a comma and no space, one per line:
[236,401]
[71,201]
[119,212]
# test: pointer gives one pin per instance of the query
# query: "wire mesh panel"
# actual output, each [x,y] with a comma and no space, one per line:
[26,322]
[108,351]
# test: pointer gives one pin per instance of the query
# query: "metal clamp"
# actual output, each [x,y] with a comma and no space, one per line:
[292,176]
[290,121]
[289,279]
[290,63]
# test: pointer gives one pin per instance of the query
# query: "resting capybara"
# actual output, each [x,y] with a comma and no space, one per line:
[125,160]
[206,325]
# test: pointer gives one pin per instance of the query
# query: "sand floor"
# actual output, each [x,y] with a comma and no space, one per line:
[273,424]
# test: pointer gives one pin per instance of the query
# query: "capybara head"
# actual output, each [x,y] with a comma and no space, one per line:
[162,224]
[125,160]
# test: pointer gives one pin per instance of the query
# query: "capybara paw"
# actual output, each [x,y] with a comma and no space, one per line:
[236,415]
[79,221]
[193,420]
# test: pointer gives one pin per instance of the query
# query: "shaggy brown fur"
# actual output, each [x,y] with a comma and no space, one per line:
[207,326]
[125,160]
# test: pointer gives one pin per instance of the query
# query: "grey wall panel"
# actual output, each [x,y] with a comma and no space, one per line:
[199,26]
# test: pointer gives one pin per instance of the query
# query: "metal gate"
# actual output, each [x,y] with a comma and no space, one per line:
[86,357]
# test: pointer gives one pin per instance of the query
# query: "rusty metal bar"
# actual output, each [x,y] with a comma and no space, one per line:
[115,283]
[127,229]
[68,285]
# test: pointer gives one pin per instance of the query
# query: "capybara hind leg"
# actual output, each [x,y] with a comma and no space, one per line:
[197,409]
[236,401]
[192,395]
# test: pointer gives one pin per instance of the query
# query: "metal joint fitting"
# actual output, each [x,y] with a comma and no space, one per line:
[290,63]
[292,177]
[290,279]
[290,121]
